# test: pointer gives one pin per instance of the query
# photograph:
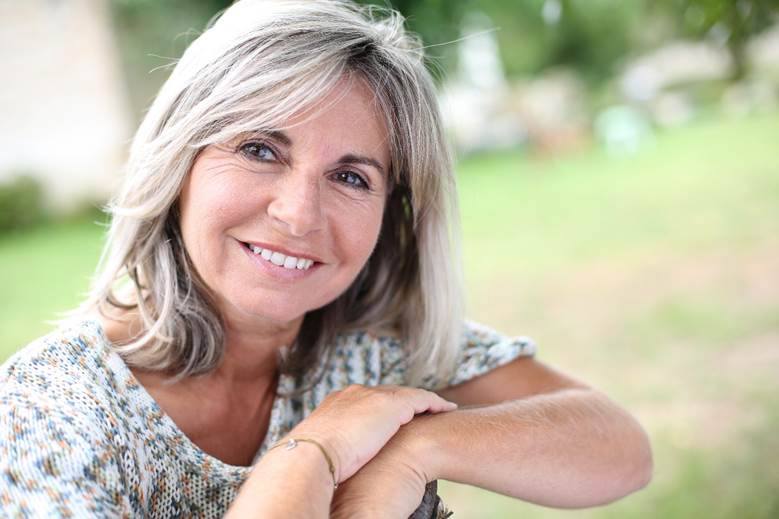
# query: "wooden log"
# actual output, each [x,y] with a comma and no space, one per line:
[431,506]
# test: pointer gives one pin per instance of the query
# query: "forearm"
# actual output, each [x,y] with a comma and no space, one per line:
[285,484]
[571,448]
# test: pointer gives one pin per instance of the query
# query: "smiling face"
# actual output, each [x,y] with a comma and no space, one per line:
[281,223]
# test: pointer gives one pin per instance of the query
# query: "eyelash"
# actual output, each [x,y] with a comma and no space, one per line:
[364,184]
[341,174]
[244,150]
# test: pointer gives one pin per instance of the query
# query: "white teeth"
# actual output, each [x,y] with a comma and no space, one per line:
[282,260]
[277,258]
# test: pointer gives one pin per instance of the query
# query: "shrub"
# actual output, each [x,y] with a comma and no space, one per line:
[21,203]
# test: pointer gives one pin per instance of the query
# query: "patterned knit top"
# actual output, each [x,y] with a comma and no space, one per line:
[79,436]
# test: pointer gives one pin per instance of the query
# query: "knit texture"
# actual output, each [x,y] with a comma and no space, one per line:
[79,436]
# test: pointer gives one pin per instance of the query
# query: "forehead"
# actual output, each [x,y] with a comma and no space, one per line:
[347,118]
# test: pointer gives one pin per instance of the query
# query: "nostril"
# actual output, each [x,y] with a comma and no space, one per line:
[297,215]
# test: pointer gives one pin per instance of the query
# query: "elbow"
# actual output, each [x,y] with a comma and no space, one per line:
[628,472]
[636,467]
[616,473]
[632,461]
[643,463]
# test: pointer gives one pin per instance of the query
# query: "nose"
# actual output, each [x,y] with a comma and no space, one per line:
[296,208]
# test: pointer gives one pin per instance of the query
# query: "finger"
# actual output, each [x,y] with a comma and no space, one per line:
[427,401]
[442,407]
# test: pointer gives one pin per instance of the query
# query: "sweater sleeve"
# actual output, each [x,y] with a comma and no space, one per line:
[484,349]
[53,464]
[481,349]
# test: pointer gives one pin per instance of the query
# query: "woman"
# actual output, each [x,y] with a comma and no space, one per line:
[275,327]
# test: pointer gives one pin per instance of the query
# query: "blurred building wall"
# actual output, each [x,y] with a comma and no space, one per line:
[64,118]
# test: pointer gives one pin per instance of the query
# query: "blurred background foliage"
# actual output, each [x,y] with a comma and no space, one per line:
[732,22]
[593,37]
[623,210]
[21,203]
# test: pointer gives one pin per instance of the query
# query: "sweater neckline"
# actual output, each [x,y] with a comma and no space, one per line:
[174,437]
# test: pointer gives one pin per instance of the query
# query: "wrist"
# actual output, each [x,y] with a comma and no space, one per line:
[285,480]
[329,445]
[422,446]
[292,443]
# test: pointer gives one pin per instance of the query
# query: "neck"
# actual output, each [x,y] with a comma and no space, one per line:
[252,349]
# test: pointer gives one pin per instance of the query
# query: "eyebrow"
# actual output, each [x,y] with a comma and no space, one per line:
[349,158]
[359,159]
[279,136]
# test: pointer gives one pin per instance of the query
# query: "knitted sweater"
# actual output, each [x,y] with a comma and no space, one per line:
[79,436]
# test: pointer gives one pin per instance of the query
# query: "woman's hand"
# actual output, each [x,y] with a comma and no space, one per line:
[352,425]
[355,423]
[391,485]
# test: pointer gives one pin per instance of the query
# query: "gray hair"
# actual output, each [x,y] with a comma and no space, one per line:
[258,64]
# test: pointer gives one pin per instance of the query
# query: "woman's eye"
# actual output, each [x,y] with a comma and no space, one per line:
[258,151]
[352,179]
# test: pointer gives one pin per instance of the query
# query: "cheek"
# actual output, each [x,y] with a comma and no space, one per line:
[217,202]
[359,232]
[207,210]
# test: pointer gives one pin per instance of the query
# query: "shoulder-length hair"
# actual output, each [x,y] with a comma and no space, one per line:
[258,64]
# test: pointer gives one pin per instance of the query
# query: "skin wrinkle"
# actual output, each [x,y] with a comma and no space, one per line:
[220,169]
[247,166]
[286,142]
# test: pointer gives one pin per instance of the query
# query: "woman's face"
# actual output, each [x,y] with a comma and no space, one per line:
[279,224]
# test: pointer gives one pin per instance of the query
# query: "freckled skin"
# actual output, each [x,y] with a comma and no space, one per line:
[296,200]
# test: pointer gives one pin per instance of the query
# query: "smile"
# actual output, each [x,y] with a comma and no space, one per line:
[279,259]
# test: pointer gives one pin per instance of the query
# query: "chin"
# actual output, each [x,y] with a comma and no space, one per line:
[280,314]
[276,305]
[277,309]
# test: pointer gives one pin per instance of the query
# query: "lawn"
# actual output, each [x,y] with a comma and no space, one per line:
[654,277]
[44,272]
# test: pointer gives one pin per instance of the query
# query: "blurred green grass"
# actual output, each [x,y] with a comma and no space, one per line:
[44,271]
[653,277]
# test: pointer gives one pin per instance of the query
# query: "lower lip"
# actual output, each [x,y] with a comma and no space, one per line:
[275,271]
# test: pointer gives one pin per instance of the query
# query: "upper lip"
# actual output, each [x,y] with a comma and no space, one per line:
[284,250]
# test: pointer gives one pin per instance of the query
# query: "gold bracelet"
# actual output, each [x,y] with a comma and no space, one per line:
[293,442]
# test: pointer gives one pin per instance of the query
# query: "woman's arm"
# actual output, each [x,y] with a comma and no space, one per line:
[533,434]
[351,425]
[569,449]
[573,446]
[283,481]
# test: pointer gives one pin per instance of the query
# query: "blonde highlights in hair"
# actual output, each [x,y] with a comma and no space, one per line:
[256,66]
